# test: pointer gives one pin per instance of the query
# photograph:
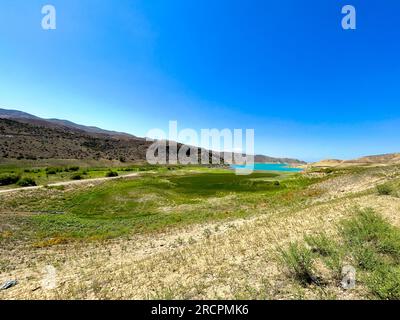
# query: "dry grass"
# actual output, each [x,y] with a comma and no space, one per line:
[230,260]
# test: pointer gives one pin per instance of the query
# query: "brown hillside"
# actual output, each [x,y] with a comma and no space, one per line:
[383,159]
[31,141]
[26,136]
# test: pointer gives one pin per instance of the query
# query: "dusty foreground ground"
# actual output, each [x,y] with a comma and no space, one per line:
[231,260]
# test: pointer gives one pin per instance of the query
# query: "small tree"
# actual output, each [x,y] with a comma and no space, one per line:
[111,174]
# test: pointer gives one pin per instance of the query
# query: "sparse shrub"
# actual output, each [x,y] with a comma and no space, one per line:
[385,283]
[321,244]
[7,179]
[384,190]
[277,183]
[367,258]
[26,182]
[329,250]
[50,242]
[375,244]
[52,170]
[367,240]
[369,230]
[111,174]
[299,260]
[72,169]
[76,176]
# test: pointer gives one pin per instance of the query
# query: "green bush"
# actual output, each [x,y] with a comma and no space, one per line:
[72,169]
[76,176]
[52,170]
[7,179]
[110,174]
[26,182]
[384,190]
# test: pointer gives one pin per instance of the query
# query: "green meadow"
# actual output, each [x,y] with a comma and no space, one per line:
[148,203]
[54,171]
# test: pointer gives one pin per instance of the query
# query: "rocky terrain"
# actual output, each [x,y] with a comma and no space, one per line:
[25,136]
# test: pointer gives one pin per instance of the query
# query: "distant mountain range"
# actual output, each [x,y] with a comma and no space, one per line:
[381,159]
[266,159]
[57,123]
[25,136]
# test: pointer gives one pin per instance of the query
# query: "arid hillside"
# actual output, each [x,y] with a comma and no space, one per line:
[382,159]
[25,136]
[35,141]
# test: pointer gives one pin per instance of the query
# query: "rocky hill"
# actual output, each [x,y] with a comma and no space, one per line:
[57,123]
[37,141]
[25,136]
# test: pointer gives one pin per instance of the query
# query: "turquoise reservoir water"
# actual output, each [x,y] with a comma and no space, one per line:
[269,167]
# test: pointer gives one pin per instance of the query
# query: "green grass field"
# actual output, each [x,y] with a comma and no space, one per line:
[48,172]
[151,202]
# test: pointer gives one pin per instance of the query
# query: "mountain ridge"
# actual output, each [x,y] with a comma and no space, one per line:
[24,116]
[36,137]
[380,159]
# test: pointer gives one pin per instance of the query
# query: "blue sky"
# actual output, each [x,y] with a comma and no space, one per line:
[285,68]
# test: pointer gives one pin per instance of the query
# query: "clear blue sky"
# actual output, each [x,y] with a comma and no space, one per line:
[285,68]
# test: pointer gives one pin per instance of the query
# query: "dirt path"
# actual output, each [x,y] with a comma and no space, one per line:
[68,183]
